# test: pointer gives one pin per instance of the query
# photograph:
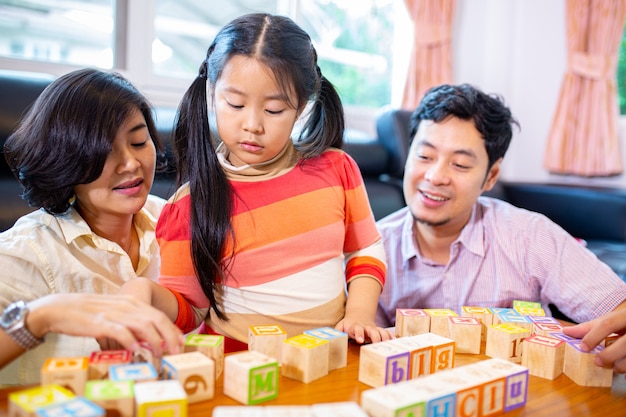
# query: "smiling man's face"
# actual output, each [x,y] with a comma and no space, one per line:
[445,173]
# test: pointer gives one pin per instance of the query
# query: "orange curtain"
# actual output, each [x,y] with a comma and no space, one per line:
[431,60]
[584,137]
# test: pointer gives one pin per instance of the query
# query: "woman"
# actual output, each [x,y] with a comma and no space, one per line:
[85,154]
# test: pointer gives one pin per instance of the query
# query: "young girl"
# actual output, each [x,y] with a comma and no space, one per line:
[266,229]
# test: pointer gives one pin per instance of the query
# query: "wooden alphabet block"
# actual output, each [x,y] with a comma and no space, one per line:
[484,388]
[138,372]
[196,373]
[521,321]
[411,321]
[499,314]
[267,340]
[409,399]
[505,341]
[117,398]
[439,320]
[516,383]
[543,356]
[383,363]
[520,304]
[251,377]
[443,351]
[544,329]
[543,319]
[24,403]
[531,311]
[74,407]
[466,333]
[420,355]
[483,314]
[502,310]
[305,358]
[338,345]
[579,366]
[209,344]
[99,362]
[160,398]
[562,336]
[70,373]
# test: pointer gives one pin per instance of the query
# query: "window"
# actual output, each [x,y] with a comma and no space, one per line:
[64,32]
[167,39]
[352,38]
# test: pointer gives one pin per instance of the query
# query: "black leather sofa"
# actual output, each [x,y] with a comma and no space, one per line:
[19,90]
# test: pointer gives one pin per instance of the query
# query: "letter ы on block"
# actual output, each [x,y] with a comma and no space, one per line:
[196,373]
[383,363]
[250,377]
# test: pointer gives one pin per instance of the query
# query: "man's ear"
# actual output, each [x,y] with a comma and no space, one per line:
[492,175]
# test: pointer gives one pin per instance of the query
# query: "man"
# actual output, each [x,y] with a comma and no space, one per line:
[451,247]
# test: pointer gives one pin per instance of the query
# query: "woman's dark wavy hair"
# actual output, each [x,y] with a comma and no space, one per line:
[286,49]
[67,134]
[492,118]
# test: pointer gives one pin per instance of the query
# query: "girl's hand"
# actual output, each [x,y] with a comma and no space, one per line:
[363,332]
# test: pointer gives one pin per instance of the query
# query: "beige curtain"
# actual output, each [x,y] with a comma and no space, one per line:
[431,59]
[584,139]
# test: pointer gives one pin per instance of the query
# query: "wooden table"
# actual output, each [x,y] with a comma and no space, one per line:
[558,398]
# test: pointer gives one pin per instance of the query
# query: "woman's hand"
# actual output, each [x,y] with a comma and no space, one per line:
[118,317]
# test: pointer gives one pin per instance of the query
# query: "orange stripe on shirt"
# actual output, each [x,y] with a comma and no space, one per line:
[266,225]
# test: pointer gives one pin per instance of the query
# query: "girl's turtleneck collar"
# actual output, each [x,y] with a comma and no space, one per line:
[284,161]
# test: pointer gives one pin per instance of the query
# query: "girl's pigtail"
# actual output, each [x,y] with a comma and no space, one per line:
[325,125]
[209,188]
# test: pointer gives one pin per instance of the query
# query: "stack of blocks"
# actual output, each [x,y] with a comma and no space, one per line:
[522,334]
[485,388]
[113,382]
[405,358]
[252,377]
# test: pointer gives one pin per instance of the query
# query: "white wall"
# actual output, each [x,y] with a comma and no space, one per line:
[517,48]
